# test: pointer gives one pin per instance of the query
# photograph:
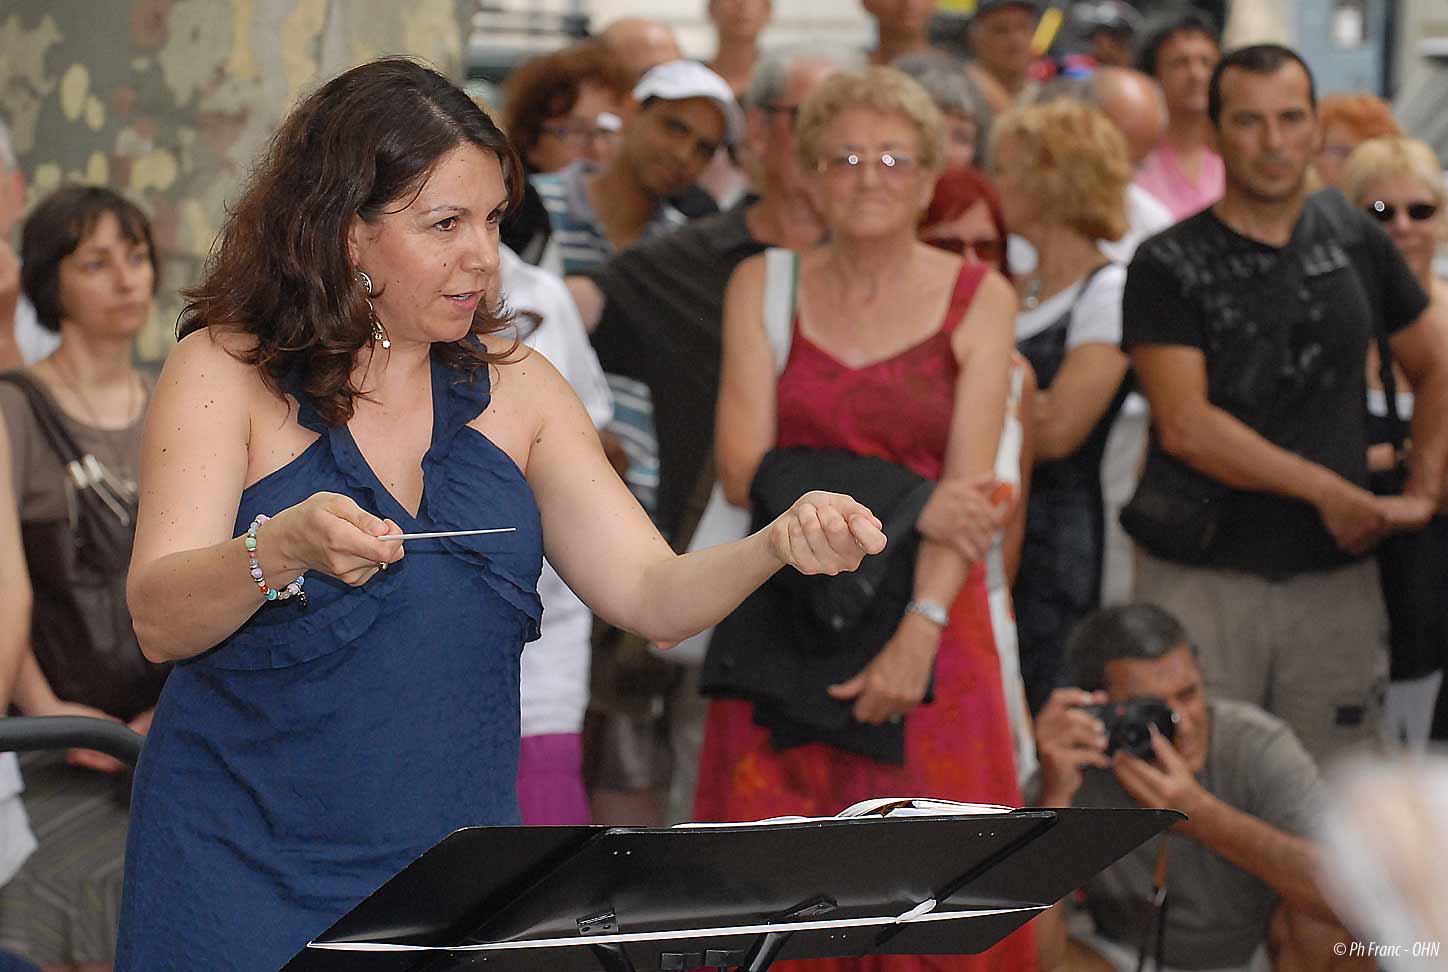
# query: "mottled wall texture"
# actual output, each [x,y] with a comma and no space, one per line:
[170,100]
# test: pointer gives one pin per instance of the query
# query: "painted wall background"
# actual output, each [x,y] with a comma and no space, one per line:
[169,101]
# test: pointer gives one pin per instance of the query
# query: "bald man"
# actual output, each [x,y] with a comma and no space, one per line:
[641,44]
[1135,105]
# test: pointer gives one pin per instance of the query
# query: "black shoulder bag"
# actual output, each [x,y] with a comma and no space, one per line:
[80,629]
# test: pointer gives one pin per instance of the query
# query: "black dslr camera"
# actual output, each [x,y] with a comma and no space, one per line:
[1128,724]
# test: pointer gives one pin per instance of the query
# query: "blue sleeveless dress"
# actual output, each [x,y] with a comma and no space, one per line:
[300,763]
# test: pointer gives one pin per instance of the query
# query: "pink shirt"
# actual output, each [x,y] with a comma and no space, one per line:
[1161,174]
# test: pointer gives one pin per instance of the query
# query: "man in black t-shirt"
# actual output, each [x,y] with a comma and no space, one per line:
[1249,325]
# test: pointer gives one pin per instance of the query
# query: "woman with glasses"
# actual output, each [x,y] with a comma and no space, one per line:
[965,217]
[560,108]
[1062,171]
[902,352]
[1399,182]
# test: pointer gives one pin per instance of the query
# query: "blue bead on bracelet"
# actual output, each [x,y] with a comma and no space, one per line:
[294,589]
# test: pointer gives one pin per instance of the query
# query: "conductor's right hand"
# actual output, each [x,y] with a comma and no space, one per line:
[330,533]
[1068,738]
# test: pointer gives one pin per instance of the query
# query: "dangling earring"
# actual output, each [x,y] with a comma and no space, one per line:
[379,333]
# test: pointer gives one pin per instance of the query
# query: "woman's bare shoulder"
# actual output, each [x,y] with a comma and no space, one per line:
[208,368]
[213,354]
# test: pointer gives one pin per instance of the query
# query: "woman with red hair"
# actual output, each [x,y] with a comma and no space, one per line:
[1346,121]
[965,217]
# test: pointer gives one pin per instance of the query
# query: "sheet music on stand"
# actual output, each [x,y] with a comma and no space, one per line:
[896,876]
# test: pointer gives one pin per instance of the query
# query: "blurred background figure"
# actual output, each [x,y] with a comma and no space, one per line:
[1183,172]
[22,339]
[559,109]
[1000,38]
[1348,120]
[1062,171]
[640,44]
[737,26]
[900,27]
[1109,29]
[89,268]
[555,669]
[1399,182]
[1385,837]
[950,86]
[1133,102]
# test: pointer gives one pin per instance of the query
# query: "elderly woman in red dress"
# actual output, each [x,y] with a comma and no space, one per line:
[901,351]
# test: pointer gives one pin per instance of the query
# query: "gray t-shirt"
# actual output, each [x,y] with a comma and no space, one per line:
[1217,913]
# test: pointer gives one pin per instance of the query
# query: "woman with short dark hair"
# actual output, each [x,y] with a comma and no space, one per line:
[70,449]
[337,708]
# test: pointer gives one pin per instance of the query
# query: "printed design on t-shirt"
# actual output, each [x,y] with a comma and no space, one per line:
[1273,319]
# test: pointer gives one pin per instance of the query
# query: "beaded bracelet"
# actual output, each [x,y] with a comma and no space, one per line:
[294,589]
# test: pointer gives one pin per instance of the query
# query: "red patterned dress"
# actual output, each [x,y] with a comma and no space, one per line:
[956,748]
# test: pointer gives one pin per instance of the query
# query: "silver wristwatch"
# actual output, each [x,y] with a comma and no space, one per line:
[931,611]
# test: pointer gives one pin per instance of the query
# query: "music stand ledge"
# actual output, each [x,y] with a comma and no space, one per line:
[622,899]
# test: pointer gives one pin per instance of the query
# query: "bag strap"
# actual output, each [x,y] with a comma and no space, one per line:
[1339,216]
[781,290]
[47,417]
[83,468]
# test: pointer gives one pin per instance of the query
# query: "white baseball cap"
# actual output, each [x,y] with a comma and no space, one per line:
[677,80]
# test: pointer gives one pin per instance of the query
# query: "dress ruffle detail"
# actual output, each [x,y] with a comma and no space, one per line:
[461,467]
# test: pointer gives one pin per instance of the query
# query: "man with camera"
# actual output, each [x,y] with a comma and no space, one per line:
[1237,877]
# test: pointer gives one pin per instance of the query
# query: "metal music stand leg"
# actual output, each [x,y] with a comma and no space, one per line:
[765,951]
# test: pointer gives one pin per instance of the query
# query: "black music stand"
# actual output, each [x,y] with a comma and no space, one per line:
[618,899]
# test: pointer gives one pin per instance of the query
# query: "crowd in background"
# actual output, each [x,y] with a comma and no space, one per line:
[1140,358]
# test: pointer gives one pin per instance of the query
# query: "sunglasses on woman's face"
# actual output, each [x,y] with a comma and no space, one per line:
[1387,212]
[986,249]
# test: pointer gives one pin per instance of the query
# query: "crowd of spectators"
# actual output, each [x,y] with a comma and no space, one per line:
[1138,352]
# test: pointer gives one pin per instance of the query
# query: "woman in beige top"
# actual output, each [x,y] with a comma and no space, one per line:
[89,268]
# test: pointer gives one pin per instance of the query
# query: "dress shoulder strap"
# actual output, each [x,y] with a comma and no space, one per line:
[967,282]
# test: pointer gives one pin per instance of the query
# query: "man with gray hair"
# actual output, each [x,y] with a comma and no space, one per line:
[22,339]
[656,311]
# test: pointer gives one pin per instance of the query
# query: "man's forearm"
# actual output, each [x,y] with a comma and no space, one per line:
[1284,862]
[1221,446]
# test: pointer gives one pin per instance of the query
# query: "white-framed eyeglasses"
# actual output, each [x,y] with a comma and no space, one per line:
[846,163]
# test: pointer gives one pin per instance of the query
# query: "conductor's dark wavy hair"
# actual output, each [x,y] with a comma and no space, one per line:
[362,145]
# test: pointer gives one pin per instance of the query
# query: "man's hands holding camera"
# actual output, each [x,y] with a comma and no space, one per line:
[1068,739]
[1071,735]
